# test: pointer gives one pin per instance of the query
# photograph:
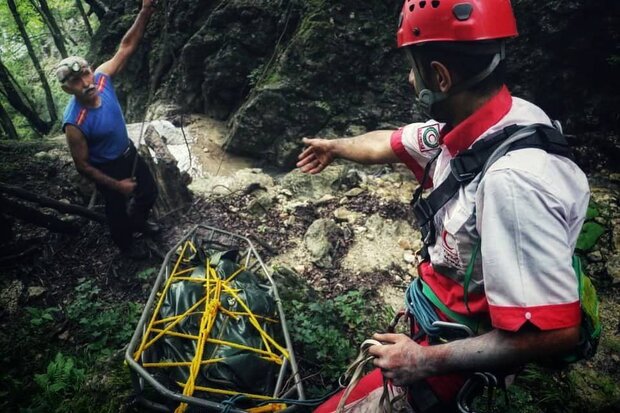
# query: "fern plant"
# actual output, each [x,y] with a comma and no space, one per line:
[61,379]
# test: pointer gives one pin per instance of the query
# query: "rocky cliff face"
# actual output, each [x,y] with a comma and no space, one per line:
[278,70]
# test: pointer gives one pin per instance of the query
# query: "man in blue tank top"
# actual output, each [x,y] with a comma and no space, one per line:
[97,137]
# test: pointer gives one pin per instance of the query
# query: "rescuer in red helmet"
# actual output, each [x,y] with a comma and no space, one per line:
[496,288]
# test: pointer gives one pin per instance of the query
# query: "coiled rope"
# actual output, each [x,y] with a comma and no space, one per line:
[421,308]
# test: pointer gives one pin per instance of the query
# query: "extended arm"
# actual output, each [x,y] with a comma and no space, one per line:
[405,361]
[130,41]
[79,152]
[370,148]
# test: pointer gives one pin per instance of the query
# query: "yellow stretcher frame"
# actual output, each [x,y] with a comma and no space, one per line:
[151,328]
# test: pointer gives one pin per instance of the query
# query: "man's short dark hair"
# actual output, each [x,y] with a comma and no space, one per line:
[464,60]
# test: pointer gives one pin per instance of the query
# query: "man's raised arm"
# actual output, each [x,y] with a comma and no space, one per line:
[130,41]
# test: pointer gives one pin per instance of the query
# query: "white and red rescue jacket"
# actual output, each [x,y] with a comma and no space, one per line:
[527,210]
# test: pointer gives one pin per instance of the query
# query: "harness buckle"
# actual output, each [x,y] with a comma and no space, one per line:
[458,170]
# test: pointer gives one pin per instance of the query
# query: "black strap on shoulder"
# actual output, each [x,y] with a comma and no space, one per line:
[468,164]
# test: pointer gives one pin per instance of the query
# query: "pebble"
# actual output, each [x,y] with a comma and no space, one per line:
[36,291]
[325,199]
[354,192]
[595,256]
[405,244]
[409,257]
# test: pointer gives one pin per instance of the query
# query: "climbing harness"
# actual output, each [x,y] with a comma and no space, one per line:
[474,162]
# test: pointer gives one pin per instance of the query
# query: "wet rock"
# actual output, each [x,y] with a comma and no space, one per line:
[320,240]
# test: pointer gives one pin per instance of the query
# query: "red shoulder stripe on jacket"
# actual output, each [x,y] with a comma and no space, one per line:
[81,116]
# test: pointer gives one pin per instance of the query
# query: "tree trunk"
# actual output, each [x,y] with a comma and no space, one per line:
[80,7]
[171,183]
[52,203]
[97,7]
[12,94]
[44,11]
[7,124]
[51,107]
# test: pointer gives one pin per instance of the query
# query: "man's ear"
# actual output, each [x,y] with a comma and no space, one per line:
[441,74]
[66,89]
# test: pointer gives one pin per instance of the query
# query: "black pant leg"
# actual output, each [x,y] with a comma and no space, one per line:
[144,195]
[118,221]
[116,203]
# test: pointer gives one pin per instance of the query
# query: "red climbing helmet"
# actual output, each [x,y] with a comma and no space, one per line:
[424,21]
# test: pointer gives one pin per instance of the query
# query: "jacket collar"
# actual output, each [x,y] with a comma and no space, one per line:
[463,135]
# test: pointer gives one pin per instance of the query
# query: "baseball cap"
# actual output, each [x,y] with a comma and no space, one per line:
[69,66]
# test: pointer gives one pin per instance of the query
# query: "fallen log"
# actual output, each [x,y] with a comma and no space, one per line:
[52,203]
[29,214]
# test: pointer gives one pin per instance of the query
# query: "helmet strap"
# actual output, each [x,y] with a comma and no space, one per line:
[427,98]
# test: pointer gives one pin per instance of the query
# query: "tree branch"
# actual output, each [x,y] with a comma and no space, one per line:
[52,203]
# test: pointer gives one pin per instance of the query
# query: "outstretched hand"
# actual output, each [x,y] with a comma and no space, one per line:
[400,358]
[319,153]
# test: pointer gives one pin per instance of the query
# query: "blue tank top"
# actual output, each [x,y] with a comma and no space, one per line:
[104,127]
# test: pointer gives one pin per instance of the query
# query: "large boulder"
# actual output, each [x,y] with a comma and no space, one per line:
[279,70]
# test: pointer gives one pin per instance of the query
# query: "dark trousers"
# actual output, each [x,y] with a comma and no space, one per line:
[121,224]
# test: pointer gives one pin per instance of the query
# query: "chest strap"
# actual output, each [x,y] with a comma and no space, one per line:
[468,164]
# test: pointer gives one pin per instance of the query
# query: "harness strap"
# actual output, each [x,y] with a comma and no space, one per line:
[465,166]
[474,323]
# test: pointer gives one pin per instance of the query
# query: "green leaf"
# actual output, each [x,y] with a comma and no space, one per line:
[590,233]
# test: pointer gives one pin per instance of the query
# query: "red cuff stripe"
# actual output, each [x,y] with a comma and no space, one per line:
[545,317]
[399,149]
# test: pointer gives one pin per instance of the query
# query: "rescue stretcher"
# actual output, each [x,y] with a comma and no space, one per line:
[169,329]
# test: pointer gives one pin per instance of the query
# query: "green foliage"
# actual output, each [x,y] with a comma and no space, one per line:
[104,326]
[62,378]
[328,332]
[15,57]
[614,60]
[146,274]
[41,316]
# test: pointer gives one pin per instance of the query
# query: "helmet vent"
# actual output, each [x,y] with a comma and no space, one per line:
[462,11]
[422,4]
[411,7]
[435,3]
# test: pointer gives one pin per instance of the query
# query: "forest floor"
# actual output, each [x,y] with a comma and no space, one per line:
[70,303]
